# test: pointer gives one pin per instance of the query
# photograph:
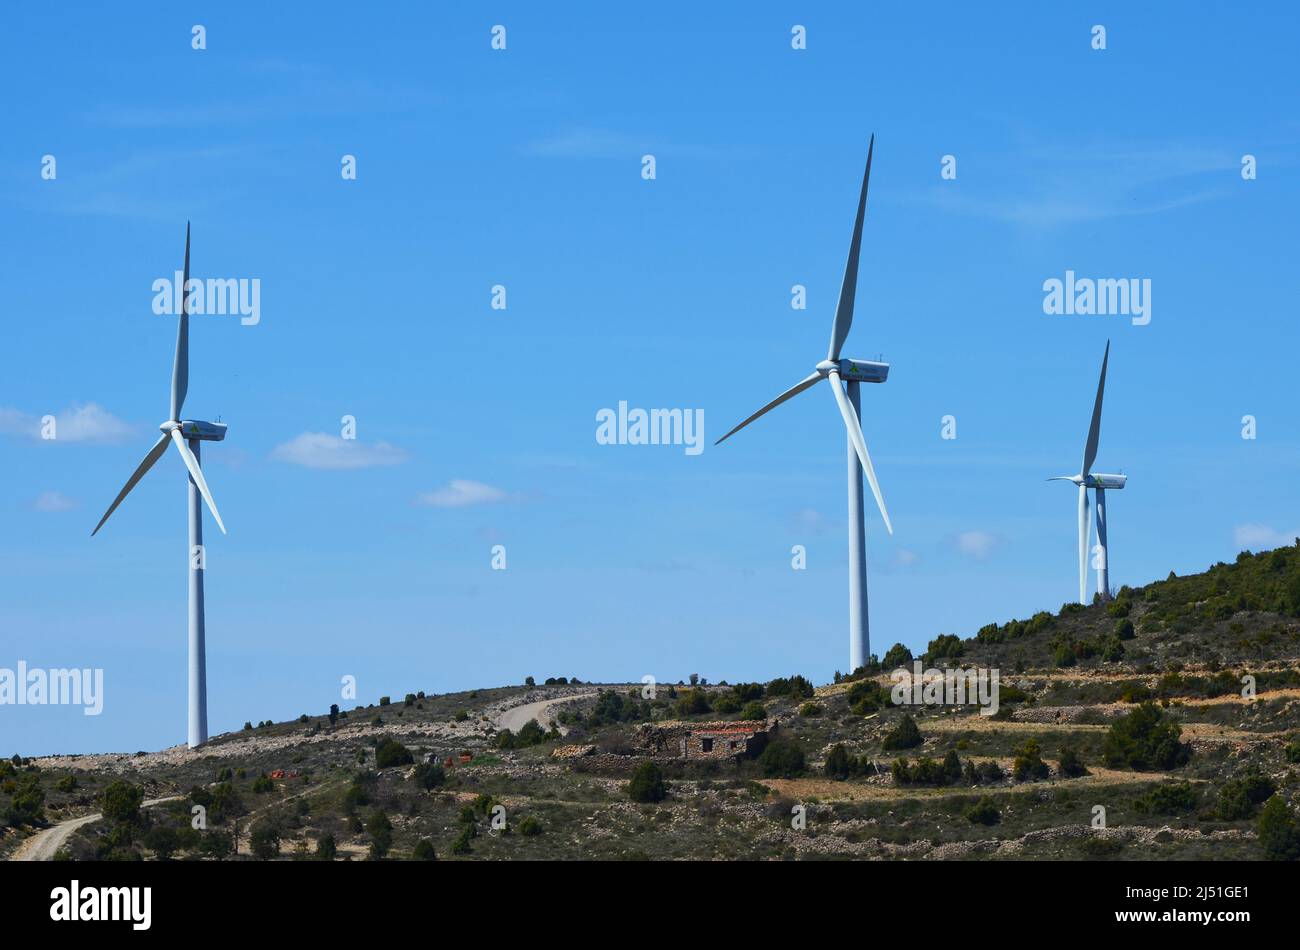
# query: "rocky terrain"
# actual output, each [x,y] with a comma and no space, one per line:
[1164,724]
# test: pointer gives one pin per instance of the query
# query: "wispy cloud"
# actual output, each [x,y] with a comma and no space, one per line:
[52,501]
[976,544]
[1260,537]
[88,423]
[1078,183]
[321,450]
[461,493]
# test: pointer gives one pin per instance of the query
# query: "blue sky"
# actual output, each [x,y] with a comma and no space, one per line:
[523,168]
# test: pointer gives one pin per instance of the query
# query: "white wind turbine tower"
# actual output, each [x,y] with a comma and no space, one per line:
[1099,484]
[179,432]
[848,374]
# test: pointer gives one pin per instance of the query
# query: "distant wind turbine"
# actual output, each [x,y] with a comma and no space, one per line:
[179,432]
[1099,484]
[848,374]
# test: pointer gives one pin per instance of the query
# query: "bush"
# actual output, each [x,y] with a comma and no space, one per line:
[326,848]
[1145,739]
[693,702]
[782,759]
[264,841]
[983,812]
[385,700]
[1279,832]
[390,752]
[753,711]
[811,710]
[839,764]
[897,655]
[429,775]
[461,844]
[1124,629]
[796,687]
[946,646]
[424,851]
[866,696]
[262,784]
[1168,799]
[380,830]
[1029,765]
[903,736]
[163,841]
[647,784]
[1240,796]
[530,827]
[121,803]
[1071,765]
[927,771]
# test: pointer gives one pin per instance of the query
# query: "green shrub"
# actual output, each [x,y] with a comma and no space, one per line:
[530,826]
[946,646]
[1168,799]
[905,735]
[262,784]
[897,655]
[1124,629]
[391,753]
[1071,765]
[811,710]
[380,830]
[424,851]
[1029,765]
[1241,796]
[1145,739]
[753,711]
[693,702]
[783,758]
[264,841]
[429,775]
[1279,832]
[326,847]
[120,803]
[983,812]
[647,784]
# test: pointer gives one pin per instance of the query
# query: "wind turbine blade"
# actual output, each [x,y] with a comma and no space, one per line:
[1094,430]
[154,455]
[181,368]
[197,474]
[790,393]
[1084,538]
[859,443]
[849,289]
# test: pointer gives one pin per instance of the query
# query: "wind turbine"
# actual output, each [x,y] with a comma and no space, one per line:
[180,432]
[847,374]
[1099,484]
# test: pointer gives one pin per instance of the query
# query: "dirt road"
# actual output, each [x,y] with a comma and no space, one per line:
[43,845]
[517,717]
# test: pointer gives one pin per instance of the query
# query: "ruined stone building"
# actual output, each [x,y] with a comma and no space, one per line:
[706,740]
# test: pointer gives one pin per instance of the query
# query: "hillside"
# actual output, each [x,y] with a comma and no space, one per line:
[1135,706]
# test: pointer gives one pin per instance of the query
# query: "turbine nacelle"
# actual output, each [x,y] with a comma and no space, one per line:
[857,371]
[1093,480]
[196,429]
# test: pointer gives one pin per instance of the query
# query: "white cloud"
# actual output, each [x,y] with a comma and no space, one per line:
[461,493]
[88,423]
[976,544]
[320,450]
[905,558]
[50,501]
[1260,537]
